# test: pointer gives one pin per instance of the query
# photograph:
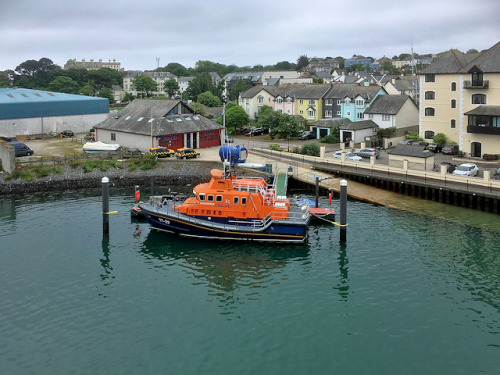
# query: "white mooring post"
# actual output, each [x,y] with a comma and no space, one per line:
[105,205]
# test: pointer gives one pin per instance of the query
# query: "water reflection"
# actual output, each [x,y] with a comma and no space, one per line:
[107,274]
[232,271]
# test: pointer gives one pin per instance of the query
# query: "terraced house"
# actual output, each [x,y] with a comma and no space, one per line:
[460,97]
[309,101]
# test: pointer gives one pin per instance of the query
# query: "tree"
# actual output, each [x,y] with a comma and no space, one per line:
[128,97]
[106,93]
[200,84]
[33,68]
[99,79]
[198,108]
[440,139]
[171,87]
[239,86]
[285,65]
[341,61]
[236,117]
[4,80]
[278,123]
[413,136]
[302,62]
[64,84]
[87,90]
[209,99]
[145,85]
[175,68]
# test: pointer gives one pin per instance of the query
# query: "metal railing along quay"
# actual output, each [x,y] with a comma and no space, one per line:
[473,192]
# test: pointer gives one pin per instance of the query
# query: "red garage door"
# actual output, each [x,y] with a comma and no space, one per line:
[209,138]
[172,142]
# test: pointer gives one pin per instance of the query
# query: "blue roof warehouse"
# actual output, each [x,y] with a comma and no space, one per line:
[25,112]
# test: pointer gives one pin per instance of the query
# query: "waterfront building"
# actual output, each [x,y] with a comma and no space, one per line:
[146,123]
[25,112]
[460,97]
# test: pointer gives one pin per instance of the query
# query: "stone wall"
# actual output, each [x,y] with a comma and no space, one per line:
[7,157]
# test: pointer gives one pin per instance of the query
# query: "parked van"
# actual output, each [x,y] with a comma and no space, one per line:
[21,149]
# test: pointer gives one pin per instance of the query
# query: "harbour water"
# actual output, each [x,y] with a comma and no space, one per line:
[407,294]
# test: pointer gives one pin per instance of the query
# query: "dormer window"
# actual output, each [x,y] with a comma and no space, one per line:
[477,79]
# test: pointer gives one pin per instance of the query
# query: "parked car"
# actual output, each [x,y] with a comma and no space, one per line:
[187,153]
[367,152]
[21,149]
[255,131]
[450,150]
[162,152]
[466,169]
[406,142]
[307,135]
[435,147]
[450,167]
[67,133]
[348,156]
[496,175]
[228,139]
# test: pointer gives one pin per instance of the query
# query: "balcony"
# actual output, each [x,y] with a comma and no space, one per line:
[479,129]
[476,85]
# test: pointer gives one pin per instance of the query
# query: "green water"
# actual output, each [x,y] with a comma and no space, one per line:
[407,294]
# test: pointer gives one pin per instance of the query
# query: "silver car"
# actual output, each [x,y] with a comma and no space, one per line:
[367,152]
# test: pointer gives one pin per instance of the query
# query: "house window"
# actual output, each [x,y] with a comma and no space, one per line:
[348,113]
[113,136]
[260,99]
[288,100]
[386,117]
[328,101]
[280,100]
[280,110]
[477,79]
[339,102]
[360,102]
[430,78]
[430,95]
[453,103]
[301,101]
[478,99]
[310,113]
[339,113]
[360,116]
[301,112]
[453,124]
[430,111]
[370,115]
[311,102]
[429,134]
[453,86]
[328,114]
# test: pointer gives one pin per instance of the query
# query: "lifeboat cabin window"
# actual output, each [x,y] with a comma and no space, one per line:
[202,196]
[243,200]
[210,198]
[236,200]
[218,198]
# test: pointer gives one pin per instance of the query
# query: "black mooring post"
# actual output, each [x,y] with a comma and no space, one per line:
[152,182]
[343,210]
[105,205]
[317,191]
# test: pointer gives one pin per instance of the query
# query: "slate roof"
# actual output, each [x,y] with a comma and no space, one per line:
[411,150]
[485,110]
[310,91]
[168,117]
[387,104]
[360,125]
[340,90]
[488,61]
[331,122]
[271,90]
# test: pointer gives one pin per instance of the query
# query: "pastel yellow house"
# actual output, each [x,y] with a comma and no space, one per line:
[309,101]
[460,97]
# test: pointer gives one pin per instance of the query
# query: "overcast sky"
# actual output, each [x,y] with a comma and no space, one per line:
[245,33]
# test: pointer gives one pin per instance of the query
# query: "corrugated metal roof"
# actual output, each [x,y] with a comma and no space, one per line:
[159,116]
[25,103]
